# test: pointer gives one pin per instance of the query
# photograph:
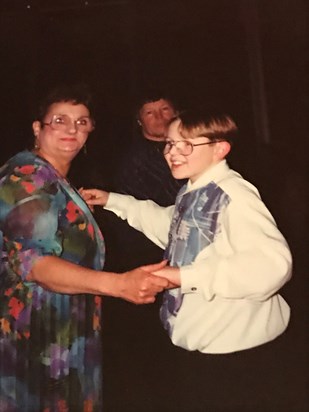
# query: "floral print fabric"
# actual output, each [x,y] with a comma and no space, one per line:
[50,343]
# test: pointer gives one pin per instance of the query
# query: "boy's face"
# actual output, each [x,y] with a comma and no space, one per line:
[195,164]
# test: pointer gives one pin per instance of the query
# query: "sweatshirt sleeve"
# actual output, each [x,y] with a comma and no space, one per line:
[249,259]
[144,215]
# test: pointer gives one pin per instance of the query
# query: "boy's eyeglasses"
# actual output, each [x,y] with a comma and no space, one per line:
[64,122]
[184,147]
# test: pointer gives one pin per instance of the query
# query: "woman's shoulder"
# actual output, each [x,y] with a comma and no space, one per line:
[21,158]
[27,167]
[17,161]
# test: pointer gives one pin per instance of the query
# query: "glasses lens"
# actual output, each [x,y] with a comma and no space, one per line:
[85,124]
[183,147]
[167,147]
[60,122]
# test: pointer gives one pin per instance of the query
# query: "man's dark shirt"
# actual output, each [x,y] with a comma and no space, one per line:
[144,174]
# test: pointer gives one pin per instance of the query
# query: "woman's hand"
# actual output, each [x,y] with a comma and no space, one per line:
[140,285]
[94,197]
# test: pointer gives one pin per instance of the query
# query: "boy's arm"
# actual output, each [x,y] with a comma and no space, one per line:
[250,258]
[144,215]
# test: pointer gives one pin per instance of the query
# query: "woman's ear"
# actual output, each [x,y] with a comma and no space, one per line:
[222,150]
[36,127]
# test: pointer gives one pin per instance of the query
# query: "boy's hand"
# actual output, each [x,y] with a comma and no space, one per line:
[94,197]
[172,274]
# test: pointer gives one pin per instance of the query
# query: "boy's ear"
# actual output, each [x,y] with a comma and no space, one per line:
[223,149]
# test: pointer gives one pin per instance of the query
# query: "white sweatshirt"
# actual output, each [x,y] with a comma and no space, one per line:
[230,301]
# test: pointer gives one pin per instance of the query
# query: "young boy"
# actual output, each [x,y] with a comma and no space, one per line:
[226,256]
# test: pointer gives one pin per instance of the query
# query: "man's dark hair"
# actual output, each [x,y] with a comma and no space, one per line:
[150,96]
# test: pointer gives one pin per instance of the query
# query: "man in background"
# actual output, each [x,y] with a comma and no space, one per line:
[143,172]
[135,344]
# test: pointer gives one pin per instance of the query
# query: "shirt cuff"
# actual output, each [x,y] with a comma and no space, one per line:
[199,277]
[190,282]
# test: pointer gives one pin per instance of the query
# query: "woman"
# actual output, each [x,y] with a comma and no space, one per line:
[52,252]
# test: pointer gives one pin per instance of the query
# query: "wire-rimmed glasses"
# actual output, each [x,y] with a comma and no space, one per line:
[184,147]
[64,122]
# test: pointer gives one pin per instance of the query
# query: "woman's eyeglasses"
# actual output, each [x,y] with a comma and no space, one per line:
[64,122]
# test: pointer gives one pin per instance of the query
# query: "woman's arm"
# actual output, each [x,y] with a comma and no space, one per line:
[34,243]
[137,286]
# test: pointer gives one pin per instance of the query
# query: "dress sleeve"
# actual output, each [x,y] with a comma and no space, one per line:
[30,229]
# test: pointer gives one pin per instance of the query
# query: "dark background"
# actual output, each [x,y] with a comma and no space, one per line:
[247,56]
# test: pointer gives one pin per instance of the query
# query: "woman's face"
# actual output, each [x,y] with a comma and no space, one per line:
[63,132]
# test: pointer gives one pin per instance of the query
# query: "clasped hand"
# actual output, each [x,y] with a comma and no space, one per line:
[141,285]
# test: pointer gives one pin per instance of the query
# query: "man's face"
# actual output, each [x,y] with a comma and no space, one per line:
[154,118]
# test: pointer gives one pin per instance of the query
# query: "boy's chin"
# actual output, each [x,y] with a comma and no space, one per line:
[178,175]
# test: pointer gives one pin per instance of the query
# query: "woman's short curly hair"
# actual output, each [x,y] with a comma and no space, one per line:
[76,94]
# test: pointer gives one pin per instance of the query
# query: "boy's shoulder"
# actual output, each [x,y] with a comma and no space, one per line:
[237,188]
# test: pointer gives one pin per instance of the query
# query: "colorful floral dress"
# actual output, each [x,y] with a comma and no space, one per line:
[50,343]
